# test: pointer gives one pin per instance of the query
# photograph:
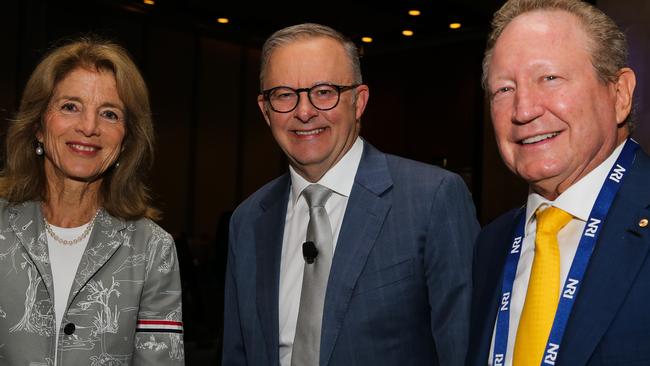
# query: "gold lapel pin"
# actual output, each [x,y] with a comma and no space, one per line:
[643,222]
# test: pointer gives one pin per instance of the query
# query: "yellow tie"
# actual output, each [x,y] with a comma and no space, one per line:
[543,289]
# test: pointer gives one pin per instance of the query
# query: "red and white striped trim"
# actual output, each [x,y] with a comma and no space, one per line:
[159,326]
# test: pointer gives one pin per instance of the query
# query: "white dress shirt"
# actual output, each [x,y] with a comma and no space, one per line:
[339,179]
[576,200]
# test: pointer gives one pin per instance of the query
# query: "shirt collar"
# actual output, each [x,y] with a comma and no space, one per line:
[580,197]
[339,178]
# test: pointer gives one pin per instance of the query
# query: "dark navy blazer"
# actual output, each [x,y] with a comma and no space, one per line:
[399,287]
[610,321]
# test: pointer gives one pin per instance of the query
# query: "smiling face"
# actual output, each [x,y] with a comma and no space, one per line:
[83,127]
[553,118]
[312,139]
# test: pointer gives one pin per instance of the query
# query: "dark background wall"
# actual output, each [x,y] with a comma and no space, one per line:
[633,16]
[213,147]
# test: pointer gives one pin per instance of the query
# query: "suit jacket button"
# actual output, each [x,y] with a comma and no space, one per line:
[69,329]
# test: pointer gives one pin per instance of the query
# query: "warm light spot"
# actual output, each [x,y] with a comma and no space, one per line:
[454,25]
[223,20]
[407,32]
[149,2]
[414,12]
[366,39]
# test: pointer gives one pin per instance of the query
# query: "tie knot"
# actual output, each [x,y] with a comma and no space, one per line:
[316,195]
[552,220]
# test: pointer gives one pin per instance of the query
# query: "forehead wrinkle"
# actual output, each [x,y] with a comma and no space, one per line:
[305,68]
[555,31]
[92,87]
[556,27]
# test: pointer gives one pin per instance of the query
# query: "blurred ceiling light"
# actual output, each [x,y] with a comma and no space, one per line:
[454,25]
[414,12]
[149,2]
[366,39]
[407,32]
[223,20]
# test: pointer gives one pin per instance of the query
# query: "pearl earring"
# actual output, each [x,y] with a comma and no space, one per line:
[39,148]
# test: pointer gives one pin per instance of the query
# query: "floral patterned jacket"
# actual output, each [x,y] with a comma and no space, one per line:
[124,307]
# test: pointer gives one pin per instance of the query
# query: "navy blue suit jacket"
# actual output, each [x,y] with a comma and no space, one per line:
[610,321]
[400,282]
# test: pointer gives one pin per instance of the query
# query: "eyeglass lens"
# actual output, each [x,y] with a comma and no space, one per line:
[322,97]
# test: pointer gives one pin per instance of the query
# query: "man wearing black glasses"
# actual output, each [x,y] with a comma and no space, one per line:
[354,257]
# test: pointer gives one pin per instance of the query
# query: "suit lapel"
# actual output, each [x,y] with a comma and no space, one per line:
[269,230]
[107,236]
[26,220]
[364,216]
[619,254]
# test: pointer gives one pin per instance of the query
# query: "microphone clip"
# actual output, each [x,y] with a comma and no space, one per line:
[309,252]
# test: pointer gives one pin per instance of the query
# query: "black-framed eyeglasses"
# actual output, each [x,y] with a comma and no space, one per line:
[324,97]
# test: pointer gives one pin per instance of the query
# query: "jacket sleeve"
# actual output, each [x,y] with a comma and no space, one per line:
[448,267]
[159,329]
[234,353]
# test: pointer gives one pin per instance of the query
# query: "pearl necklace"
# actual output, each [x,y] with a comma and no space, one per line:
[76,240]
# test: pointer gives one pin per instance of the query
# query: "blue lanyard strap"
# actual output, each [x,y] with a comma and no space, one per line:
[574,278]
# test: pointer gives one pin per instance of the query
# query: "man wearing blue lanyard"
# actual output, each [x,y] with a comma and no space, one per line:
[564,280]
